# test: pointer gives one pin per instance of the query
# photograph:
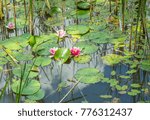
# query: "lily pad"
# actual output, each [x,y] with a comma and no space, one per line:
[26,88]
[83,5]
[134,92]
[62,54]
[87,47]
[145,65]
[23,57]
[96,37]
[122,92]
[106,96]
[88,75]
[16,43]
[27,72]
[42,61]
[82,59]
[112,59]
[37,96]
[135,85]
[77,29]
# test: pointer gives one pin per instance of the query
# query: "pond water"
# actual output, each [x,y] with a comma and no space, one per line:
[116,72]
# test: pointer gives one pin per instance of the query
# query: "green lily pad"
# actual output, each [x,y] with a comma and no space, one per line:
[77,29]
[37,96]
[131,71]
[106,96]
[134,92]
[23,57]
[122,92]
[112,59]
[26,88]
[124,77]
[113,82]
[135,85]
[88,75]
[62,54]
[27,72]
[83,5]
[61,86]
[121,88]
[87,47]
[16,43]
[42,61]
[145,65]
[96,37]
[113,73]
[82,59]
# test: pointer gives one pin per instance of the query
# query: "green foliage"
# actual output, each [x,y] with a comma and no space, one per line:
[25,88]
[83,5]
[112,59]
[82,59]
[62,55]
[106,96]
[42,61]
[97,37]
[37,96]
[27,73]
[87,47]
[77,29]
[145,65]
[88,75]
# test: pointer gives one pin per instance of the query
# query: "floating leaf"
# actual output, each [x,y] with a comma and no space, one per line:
[61,86]
[106,96]
[112,59]
[124,77]
[134,92]
[131,71]
[37,96]
[122,92]
[16,43]
[135,85]
[145,65]
[87,47]
[113,82]
[83,5]
[27,73]
[82,59]
[30,101]
[23,57]
[77,29]
[96,37]
[88,75]
[26,88]
[42,61]
[62,54]
[113,73]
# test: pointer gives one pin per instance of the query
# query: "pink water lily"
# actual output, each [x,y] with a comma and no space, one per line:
[10,26]
[75,51]
[53,51]
[61,33]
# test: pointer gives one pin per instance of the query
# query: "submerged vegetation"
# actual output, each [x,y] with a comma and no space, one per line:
[74,51]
